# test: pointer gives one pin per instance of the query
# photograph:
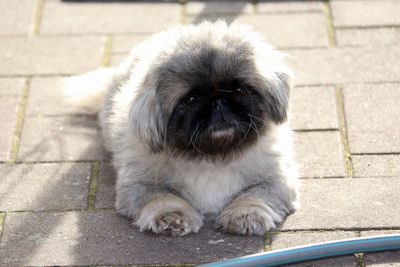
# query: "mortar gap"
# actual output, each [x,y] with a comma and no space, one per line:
[22,106]
[343,131]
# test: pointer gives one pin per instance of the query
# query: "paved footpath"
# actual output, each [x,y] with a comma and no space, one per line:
[56,186]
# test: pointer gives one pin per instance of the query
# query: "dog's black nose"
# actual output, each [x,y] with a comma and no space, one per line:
[219,103]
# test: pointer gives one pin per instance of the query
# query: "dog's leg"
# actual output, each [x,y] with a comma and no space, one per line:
[156,208]
[258,209]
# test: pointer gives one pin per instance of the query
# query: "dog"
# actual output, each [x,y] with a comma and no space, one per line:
[196,119]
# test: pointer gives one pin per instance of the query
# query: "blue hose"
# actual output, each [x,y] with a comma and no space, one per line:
[314,252]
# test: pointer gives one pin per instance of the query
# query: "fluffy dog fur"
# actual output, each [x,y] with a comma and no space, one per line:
[169,183]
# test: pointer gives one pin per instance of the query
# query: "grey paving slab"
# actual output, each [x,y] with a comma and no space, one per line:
[16,16]
[371,117]
[123,43]
[319,154]
[283,30]
[61,138]
[365,13]
[108,17]
[313,108]
[266,6]
[44,186]
[379,232]
[385,259]
[347,204]
[376,165]
[11,86]
[101,238]
[292,239]
[219,7]
[47,97]
[105,194]
[8,119]
[10,93]
[344,65]
[55,55]
[368,37]
[346,261]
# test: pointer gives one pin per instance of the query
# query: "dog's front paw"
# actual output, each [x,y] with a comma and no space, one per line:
[169,215]
[248,216]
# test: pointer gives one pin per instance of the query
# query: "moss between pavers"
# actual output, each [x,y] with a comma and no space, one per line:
[2,216]
[20,121]
[91,200]
[107,51]
[37,19]
[360,259]
[343,131]
[330,27]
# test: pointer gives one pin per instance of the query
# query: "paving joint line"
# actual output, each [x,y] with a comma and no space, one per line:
[91,199]
[22,106]
[183,17]
[360,259]
[37,20]
[267,241]
[107,51]
[59,210]
[348,164]
[330,25]
[2,223]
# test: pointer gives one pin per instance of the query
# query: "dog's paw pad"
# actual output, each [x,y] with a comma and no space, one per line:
[248,217]
[175,224]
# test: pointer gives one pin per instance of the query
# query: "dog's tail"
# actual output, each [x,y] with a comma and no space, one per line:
[87,91]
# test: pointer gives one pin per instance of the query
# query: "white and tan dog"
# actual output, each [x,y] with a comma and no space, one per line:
[196,121]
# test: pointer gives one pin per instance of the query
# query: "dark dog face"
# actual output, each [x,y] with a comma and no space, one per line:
[218,89]
[217,119]
[223,106]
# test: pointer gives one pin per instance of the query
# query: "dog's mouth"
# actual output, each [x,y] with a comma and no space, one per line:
[223,135]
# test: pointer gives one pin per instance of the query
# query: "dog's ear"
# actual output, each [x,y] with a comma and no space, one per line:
[277,100]
[146,118]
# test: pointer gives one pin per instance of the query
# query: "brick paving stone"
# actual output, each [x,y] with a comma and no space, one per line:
[292,239]
[11,86]
[219,7]
[384,259]
[105,194]
[42,89]
[345,261]
[124,43]
[266,6]
[319,154]
[16,16]
[10,90]
[60,138]
[8,117]
[379,232]
[365,13]
[370,37]
[376,165]
[78,17]
[44,186]
[285,30]
[371,118]
[313,108]
[347,204]
[58,55]
[344,65]
[102,238]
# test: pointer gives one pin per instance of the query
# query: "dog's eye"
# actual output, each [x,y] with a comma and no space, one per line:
[189,100]
[240,90]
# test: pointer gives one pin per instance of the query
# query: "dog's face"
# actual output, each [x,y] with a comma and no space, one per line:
[215,94]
